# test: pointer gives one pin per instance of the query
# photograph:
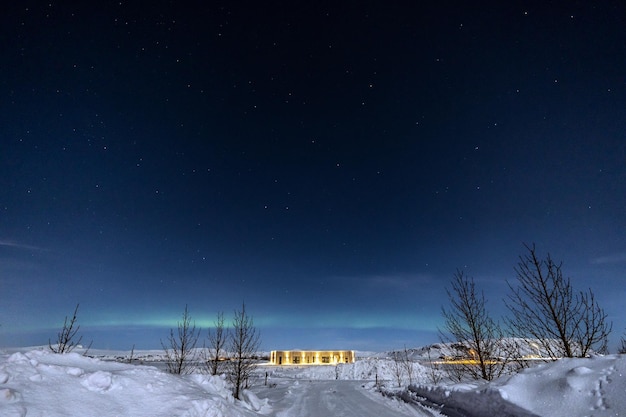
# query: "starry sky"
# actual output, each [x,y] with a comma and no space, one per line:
[330,164]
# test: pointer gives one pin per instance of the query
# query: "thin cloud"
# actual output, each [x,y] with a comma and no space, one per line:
[16,245]
[617,258]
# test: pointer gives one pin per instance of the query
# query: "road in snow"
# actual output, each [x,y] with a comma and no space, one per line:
[335,398]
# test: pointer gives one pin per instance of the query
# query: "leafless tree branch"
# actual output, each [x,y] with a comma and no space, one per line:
[180,350]
[217,343]
[546,309]
[65,339]
[469,325]
[244,345]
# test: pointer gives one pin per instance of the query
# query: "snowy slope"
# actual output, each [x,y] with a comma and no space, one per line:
[570,387]
[566,388]
[39,383]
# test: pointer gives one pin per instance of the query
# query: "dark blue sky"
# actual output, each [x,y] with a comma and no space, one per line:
[330,165]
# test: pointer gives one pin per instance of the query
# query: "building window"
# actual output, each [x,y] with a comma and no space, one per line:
[325,359]
[296,359]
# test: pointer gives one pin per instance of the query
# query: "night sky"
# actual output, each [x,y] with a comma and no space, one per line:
[330,164]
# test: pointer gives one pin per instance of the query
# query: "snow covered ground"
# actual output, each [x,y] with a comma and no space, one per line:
[315,398]
[39,383]
[565,388]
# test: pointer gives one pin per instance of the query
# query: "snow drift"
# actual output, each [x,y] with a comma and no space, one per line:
[40,383]
[565,388]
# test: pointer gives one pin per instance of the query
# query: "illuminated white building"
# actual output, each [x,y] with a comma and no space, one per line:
[311,357]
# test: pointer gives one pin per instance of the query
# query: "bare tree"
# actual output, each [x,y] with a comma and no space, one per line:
[456,372]
[132,353]
[408,364]
[468,324]
[434,372]
[217,342]
[517,352]
[66,337]
[180,350]
[397,366]
[622,348]
[546,308]
[593,331]
[244,344]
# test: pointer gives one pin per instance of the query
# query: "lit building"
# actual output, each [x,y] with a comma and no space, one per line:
[311,357]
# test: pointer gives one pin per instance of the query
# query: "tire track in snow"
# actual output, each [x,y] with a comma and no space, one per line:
[340,399]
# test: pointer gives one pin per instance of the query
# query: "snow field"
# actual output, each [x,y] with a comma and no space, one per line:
[39,383]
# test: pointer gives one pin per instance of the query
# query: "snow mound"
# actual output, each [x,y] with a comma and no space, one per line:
[254,403]
[98,381]
[572,387]
[565,388]
[40,383]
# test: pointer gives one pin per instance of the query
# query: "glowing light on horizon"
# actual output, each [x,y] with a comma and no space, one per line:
[323,320]
[348,320]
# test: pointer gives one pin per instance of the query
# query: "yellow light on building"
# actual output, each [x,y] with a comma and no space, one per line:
[311,357]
